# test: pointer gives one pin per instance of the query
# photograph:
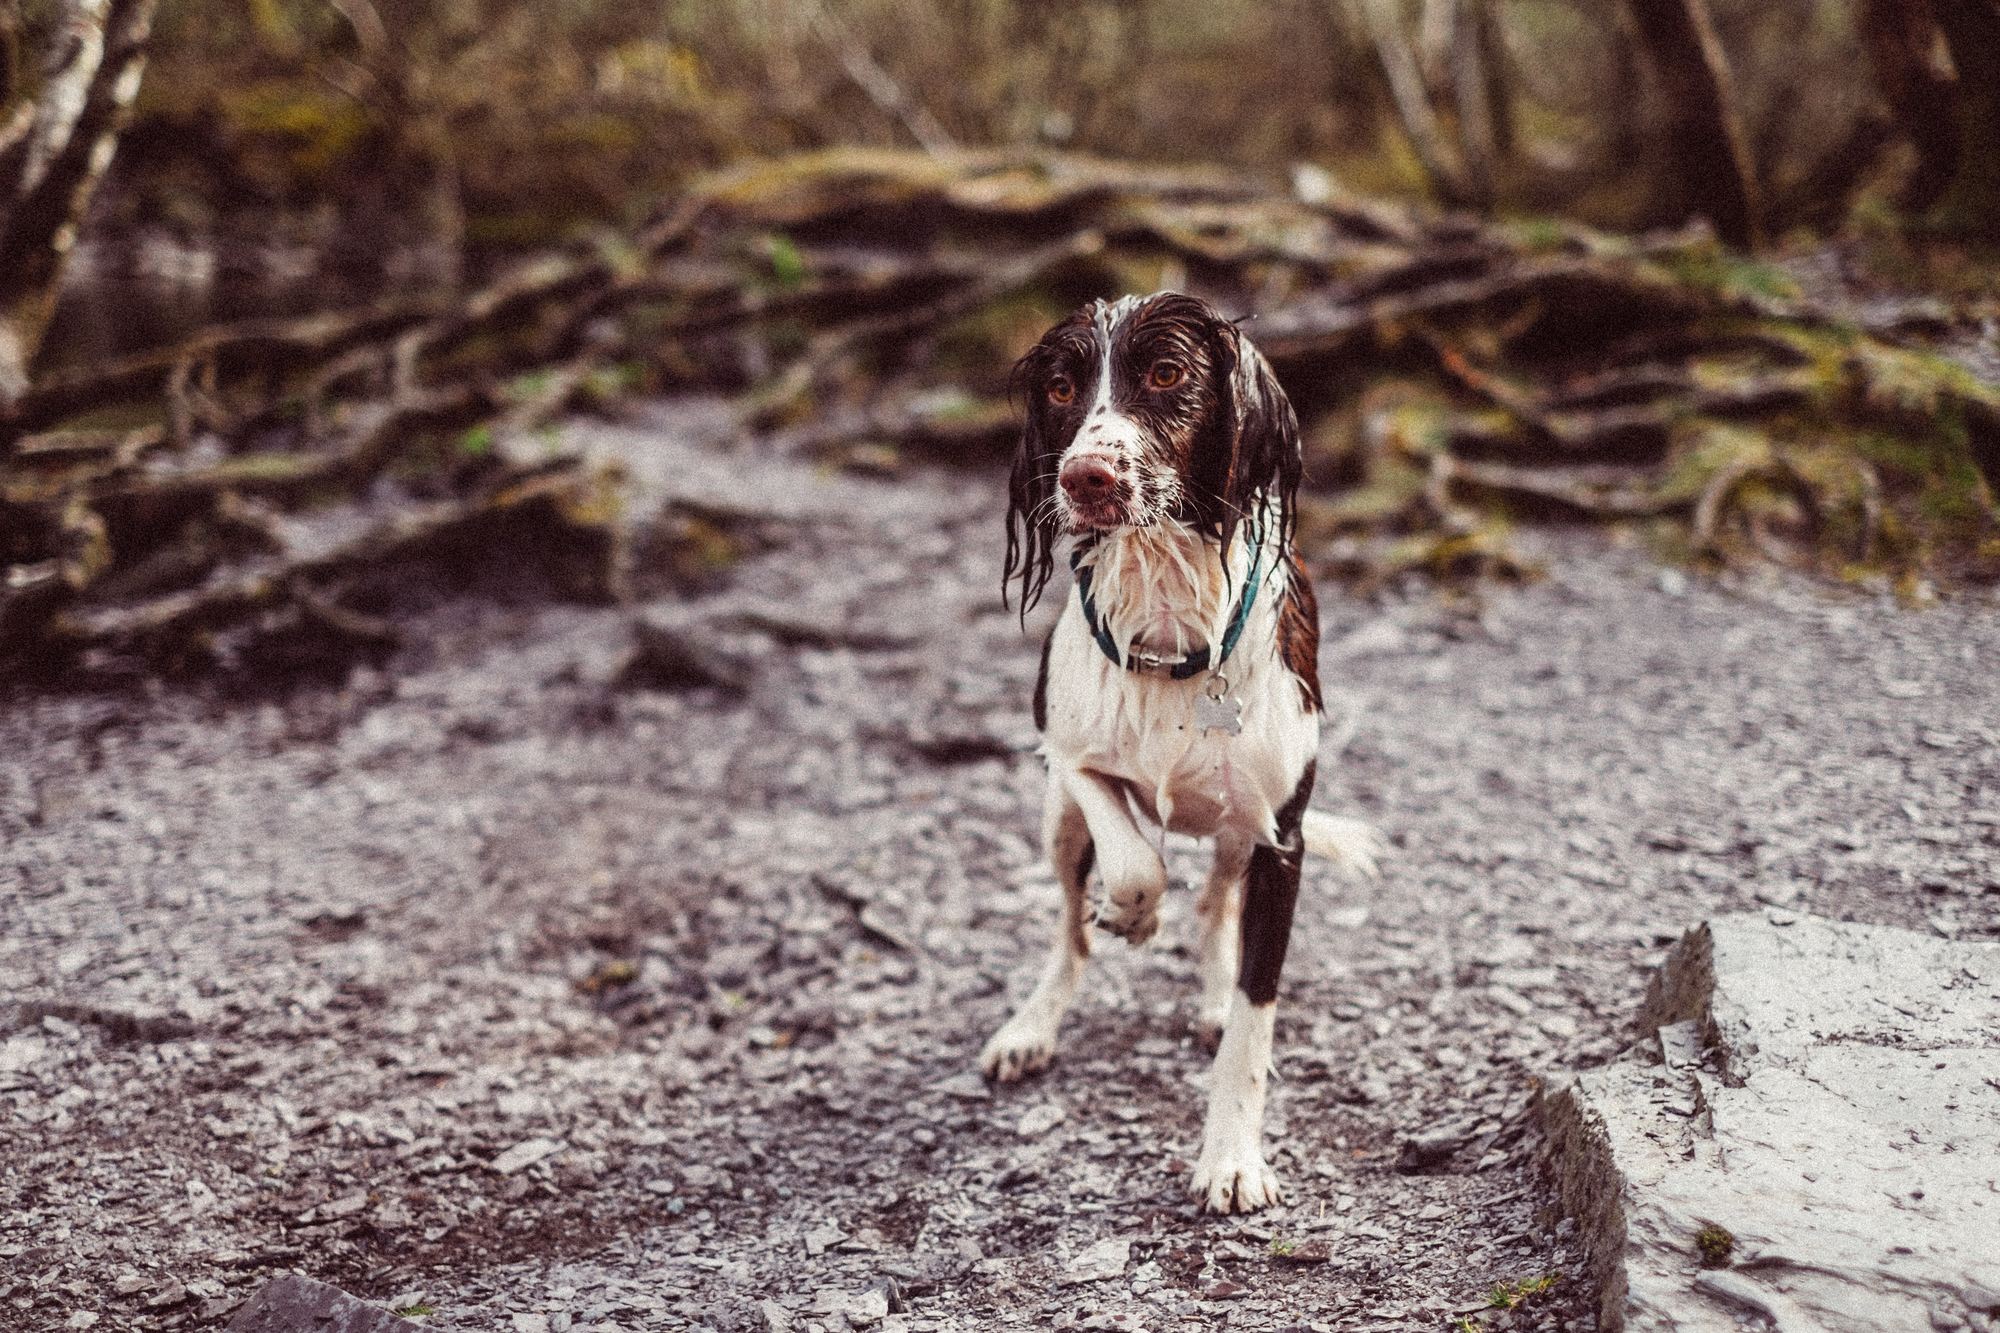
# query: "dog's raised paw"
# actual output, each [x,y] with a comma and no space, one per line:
[1238,1182]
[1135,920]
[1017,1050]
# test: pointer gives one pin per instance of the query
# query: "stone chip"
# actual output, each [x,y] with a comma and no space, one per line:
[294,1304]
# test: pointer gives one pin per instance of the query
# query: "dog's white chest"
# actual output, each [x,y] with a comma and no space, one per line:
[1194,757]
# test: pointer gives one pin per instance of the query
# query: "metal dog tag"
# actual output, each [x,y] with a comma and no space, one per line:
[1217,709]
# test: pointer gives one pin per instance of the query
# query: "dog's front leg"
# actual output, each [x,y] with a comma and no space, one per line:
[1231,1176]
[1135,879]
[1028,1040]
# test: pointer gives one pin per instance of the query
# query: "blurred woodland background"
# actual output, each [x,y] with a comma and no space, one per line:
[1718,272]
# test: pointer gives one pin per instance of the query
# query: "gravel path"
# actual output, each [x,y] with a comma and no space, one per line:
[491,985]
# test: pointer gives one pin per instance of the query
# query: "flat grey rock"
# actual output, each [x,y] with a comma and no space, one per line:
[293,1304]
[1808,1136]
[1102,1261]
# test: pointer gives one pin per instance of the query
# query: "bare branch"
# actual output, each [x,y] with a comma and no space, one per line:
[872,79]
[1412,98]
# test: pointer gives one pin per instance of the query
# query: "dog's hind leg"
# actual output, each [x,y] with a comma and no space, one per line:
[1231,1175]
[1028,1040]
[1219,947]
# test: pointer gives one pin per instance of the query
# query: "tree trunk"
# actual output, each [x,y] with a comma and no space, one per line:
[10,53]
[1492,43]
[1907,54]
[1704,132]
[1411,96]
[1972,32]
[1473,100]
[49,170]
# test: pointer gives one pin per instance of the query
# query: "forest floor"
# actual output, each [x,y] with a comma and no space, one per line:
[508,983]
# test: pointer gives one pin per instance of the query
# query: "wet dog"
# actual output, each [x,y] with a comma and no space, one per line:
[1179,691]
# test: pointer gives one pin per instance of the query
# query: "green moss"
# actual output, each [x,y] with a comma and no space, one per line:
[959,408]
[1715,1244]
[1900,453]
[1510,1295]
[321,128]
[1483,552]
[1387,492]
[981,348]
[529,384]
[1910,382]
[1726,273]
[1537,235]
[709,546]
[610,383]
[1419,428]
[786,265]
[1703,449]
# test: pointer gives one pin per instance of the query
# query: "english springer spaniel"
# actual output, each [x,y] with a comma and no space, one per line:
[1180,688]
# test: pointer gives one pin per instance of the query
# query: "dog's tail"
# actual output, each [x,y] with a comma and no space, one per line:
[1352,844]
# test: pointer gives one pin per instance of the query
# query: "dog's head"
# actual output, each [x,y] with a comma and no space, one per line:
[1152,410]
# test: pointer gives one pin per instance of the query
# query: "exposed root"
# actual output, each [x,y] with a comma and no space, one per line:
[870,303]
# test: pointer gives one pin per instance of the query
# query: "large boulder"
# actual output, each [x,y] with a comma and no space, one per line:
[1806,1137]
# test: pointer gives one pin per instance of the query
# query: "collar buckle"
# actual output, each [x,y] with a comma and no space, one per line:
[1144,660]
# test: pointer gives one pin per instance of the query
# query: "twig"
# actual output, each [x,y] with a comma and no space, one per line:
[876,82]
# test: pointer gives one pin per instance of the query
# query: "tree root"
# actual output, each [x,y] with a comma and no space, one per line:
[870,298]
[164,627]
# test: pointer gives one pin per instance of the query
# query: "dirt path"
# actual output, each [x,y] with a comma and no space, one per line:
[485,985]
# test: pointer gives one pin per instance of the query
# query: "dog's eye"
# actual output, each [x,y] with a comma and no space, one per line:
[1165,374]
[1061,389]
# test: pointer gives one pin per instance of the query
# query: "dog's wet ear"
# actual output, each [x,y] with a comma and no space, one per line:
[1268,461]
[1031,533]
[1212,466]
[1247,456]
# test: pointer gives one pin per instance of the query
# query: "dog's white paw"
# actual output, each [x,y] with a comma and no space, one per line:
[1132,914]
[1235,1180]
[1023,1046]
[1134,927]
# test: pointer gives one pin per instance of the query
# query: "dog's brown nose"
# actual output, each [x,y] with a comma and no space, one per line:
[1089,480]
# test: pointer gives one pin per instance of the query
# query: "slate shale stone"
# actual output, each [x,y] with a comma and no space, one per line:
[293,1304]
[1808,1135]
[675,657]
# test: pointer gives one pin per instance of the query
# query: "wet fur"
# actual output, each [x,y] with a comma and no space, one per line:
[1203,469]
[1230,443]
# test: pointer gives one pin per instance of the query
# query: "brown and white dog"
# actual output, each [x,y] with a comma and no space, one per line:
[1179,691]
